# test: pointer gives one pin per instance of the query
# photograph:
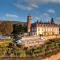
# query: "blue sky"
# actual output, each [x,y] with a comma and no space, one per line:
[18,10]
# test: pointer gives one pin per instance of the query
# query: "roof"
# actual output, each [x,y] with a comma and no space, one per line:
[49,24]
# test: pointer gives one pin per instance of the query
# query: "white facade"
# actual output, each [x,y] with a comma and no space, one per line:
[45,29]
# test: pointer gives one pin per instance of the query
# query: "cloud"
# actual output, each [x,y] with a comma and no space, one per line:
[55,1]
[11,15]
[32,4]
[37,18]
[23,7]
[50,1]
[2,18]
[51,11]
[43,17]
[58,18]
[26,4]
[45,14]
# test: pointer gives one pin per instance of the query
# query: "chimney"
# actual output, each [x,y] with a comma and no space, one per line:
[28,24]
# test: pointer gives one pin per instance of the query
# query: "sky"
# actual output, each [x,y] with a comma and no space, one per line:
[18,10]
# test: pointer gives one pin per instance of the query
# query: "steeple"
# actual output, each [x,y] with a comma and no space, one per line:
[37,22]
[52,20]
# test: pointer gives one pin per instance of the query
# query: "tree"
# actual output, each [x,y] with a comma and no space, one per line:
[19,30]
[6,28]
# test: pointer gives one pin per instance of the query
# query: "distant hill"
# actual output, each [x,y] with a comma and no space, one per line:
[15,22]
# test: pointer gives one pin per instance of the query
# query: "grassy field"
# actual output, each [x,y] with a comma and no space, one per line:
[5,42]
[50,47]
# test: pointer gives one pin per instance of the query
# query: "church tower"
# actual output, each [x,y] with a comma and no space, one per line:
[28,24]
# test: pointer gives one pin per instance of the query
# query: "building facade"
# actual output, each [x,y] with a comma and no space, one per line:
[46,28]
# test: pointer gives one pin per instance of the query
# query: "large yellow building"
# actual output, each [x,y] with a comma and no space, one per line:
[46,28]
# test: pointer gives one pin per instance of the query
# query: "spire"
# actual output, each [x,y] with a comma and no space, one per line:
[52,20]
[37,21]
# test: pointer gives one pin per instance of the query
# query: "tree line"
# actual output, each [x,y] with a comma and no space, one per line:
[8,28]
